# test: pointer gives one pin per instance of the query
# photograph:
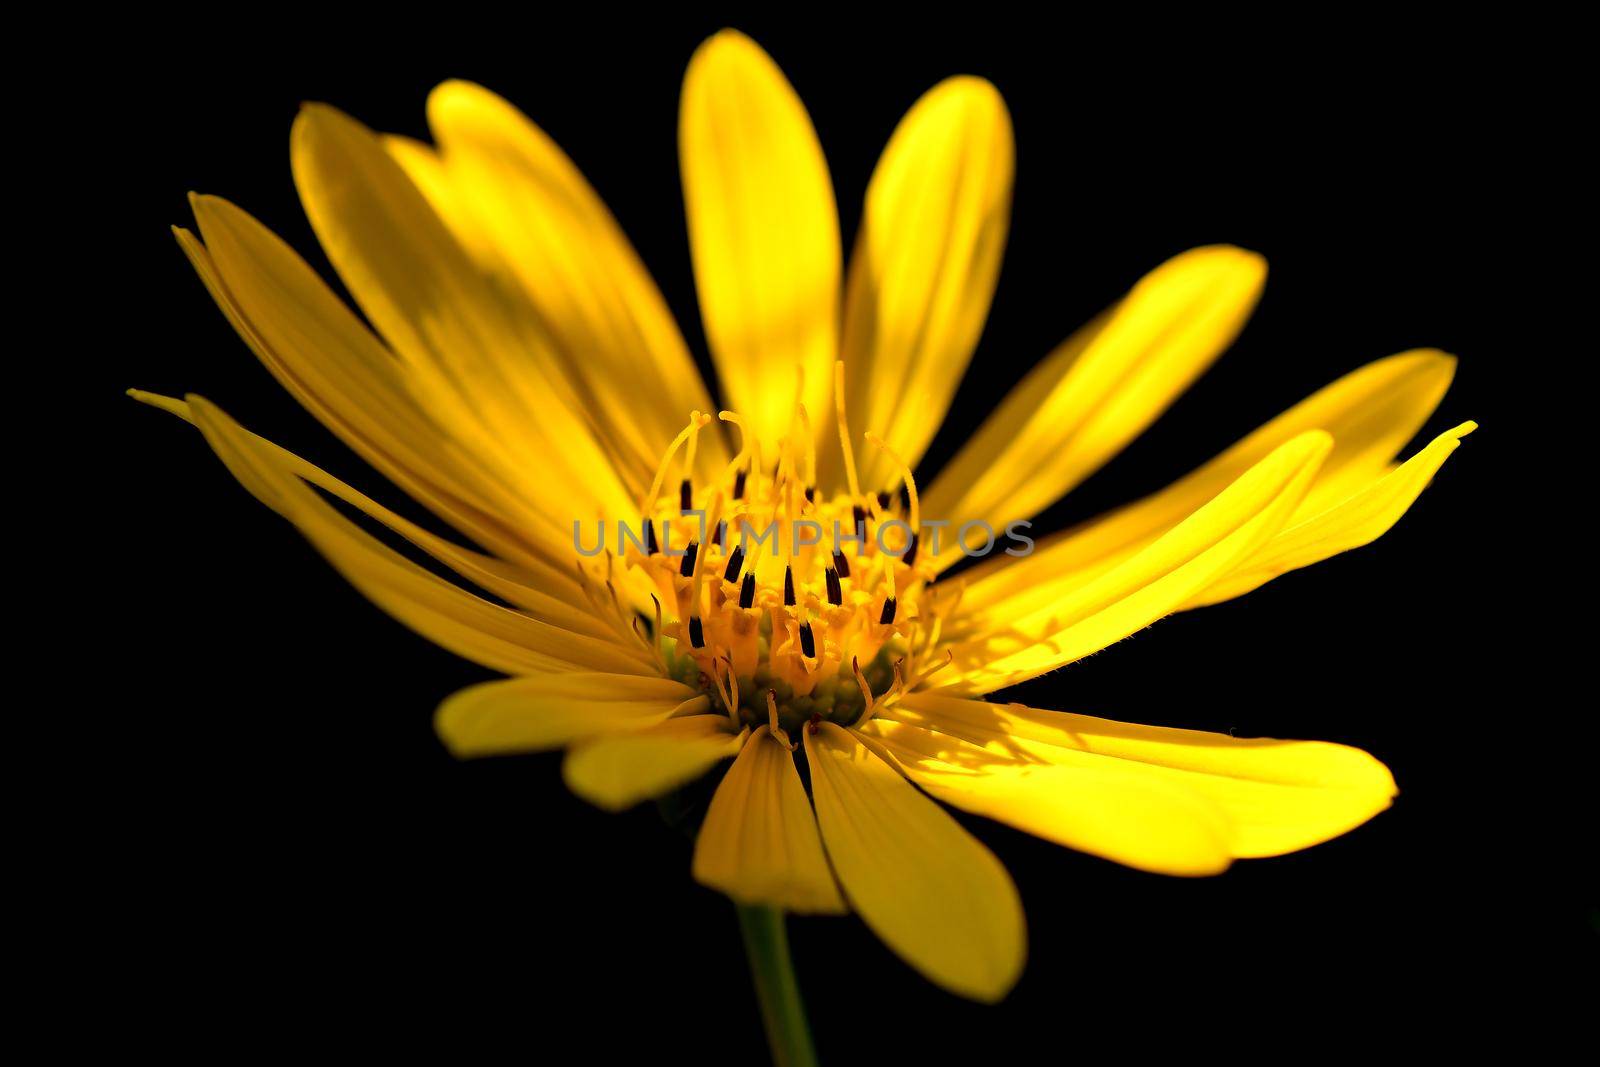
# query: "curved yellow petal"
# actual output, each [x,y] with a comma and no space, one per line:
[1139,821]
[617,771]
[1100,388]
[545,711]
[528,215]
[935,896]
[1275,796]
[1371,413]
[759,843]
[331,363]
[473,628]
[1358,520]
[924,268]
[464,343]
[764,233]
[1051,631]
[544,593]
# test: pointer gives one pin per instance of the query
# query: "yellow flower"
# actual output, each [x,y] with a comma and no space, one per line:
[523,379]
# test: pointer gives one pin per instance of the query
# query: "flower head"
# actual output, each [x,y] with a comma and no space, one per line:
[669,585]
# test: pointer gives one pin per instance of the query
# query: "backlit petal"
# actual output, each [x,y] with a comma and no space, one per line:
[1138,820]
[1371,413]
[1359,520]
[465,343]
[764,232]
[1100,388]
[322,353]
[1275,796]
[544,711]
[1053,628]
[935,896]
[759,841]
[616,771]
[514,198]
[924,268]
[451,617]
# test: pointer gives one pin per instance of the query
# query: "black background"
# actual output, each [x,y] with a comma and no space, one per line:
[291,846]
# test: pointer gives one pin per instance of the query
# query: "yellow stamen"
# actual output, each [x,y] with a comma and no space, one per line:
[748,446]
[905,471]
[647,506]
[694,443]
[866,691]
[810,471]
[844,431]
[733,691]
[772,721]
[949,658]
[713,516]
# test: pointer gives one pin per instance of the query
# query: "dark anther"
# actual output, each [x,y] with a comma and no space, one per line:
[685,495]
[720,538]
[697,632]
[811,494]
[650,546]
[747,592]
[883,501]
[887,615]
[905,495]
[808,643]
[841,564]
[686,568]
[859,515]
[735,562]
[910,556]
[835,594]
[788,587]
[738,485]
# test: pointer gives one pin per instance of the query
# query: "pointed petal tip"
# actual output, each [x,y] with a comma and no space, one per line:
[171,405]
[315,115]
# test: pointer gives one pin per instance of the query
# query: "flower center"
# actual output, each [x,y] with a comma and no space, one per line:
[785,604]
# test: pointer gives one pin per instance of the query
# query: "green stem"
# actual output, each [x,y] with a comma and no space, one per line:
[767,946]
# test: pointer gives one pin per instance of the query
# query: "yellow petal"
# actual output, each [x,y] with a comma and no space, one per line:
[448,198]
[764,233]
[332,364]
[1371,413]
[509,192]
[759,841]
[1275,796]
[1100,388]
[545,711]
[617,771]
[934,895]
[544,593]
[1358,520]
[924,268]
[476,629]
[462,340]
[1137,820]
[1059,626]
